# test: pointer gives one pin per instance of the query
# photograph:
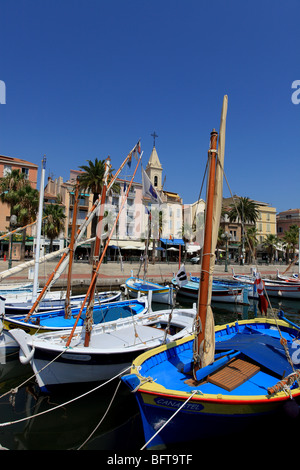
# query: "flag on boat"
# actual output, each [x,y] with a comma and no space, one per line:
[148,189]
[262,301]
[181,277]
[136,150]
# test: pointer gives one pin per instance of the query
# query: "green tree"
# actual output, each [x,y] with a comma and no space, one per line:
[22,199]
[245,210]
[291,240]
[92,180]
[26,210]
[251,243]
[54,223]
[10,186]
[269,244]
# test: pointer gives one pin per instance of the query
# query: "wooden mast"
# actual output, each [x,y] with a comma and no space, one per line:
[90,305]
[203,294]
[60,263]
[102,256]
[71,253]
[137,147]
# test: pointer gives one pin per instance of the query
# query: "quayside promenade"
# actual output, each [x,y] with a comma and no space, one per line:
[111,275]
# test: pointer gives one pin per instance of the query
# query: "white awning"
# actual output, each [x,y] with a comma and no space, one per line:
[193,248]
[128,244]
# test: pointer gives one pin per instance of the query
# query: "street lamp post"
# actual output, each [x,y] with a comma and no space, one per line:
[226,236]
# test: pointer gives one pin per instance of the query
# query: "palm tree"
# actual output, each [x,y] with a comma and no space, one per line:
[92,179]
[252,241]
[291,240]
[54,222]
[246,211]
[16,192]
[270,243]
[9,187]
[26,210]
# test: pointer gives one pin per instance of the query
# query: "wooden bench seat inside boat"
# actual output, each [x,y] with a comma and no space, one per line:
[235,373]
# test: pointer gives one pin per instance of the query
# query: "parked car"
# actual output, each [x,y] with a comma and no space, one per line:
[195,260]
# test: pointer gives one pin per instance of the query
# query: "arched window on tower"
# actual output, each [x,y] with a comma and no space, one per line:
[155,181]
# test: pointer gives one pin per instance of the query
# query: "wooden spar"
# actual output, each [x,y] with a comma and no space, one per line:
[102,256]
[137,146]
[205,266]
[21,228]
[71,253]
[89,308]
[41,295]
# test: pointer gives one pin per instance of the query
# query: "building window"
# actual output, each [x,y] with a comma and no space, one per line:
[25,172]
[155,181]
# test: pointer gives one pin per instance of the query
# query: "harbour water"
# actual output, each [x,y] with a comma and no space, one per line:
[105,418]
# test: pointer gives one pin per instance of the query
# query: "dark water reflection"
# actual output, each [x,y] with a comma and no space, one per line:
[68,427]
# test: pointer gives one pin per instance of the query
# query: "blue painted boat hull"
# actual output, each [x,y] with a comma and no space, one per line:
[53,321]
[212,410]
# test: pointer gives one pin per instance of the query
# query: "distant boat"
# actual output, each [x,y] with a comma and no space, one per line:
[273,287]
[21,304]
[55,320]
[16,288]
[220,292]
[160,294]
[293,278]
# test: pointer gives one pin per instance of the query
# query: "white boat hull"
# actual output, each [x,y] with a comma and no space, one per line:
[160,294]
[111,351]
[284,289]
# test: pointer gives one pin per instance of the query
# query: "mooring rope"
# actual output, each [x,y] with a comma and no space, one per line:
[167,422]
[103,417]
[66,403]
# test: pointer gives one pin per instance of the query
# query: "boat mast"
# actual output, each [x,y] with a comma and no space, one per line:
[38,232]
[61,264]
[95,274]
[71,252]
[203,294]
[90,305]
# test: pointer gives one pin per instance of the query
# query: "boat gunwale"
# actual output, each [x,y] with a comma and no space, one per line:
[32,328]
[159,288]
[153,388]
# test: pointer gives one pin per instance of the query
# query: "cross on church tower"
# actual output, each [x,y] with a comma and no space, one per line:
[154,135]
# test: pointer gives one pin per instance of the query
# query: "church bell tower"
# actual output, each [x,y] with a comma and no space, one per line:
[154,168]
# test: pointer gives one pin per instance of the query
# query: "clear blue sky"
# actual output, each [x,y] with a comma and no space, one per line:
[88,78]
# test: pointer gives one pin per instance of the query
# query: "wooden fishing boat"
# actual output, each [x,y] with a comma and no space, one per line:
[220,293]
[274,287]
[15,288]
[54,301]
[241,386]
[112,348]
[293,278]
[56,320]
[160,294]
[220,377]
